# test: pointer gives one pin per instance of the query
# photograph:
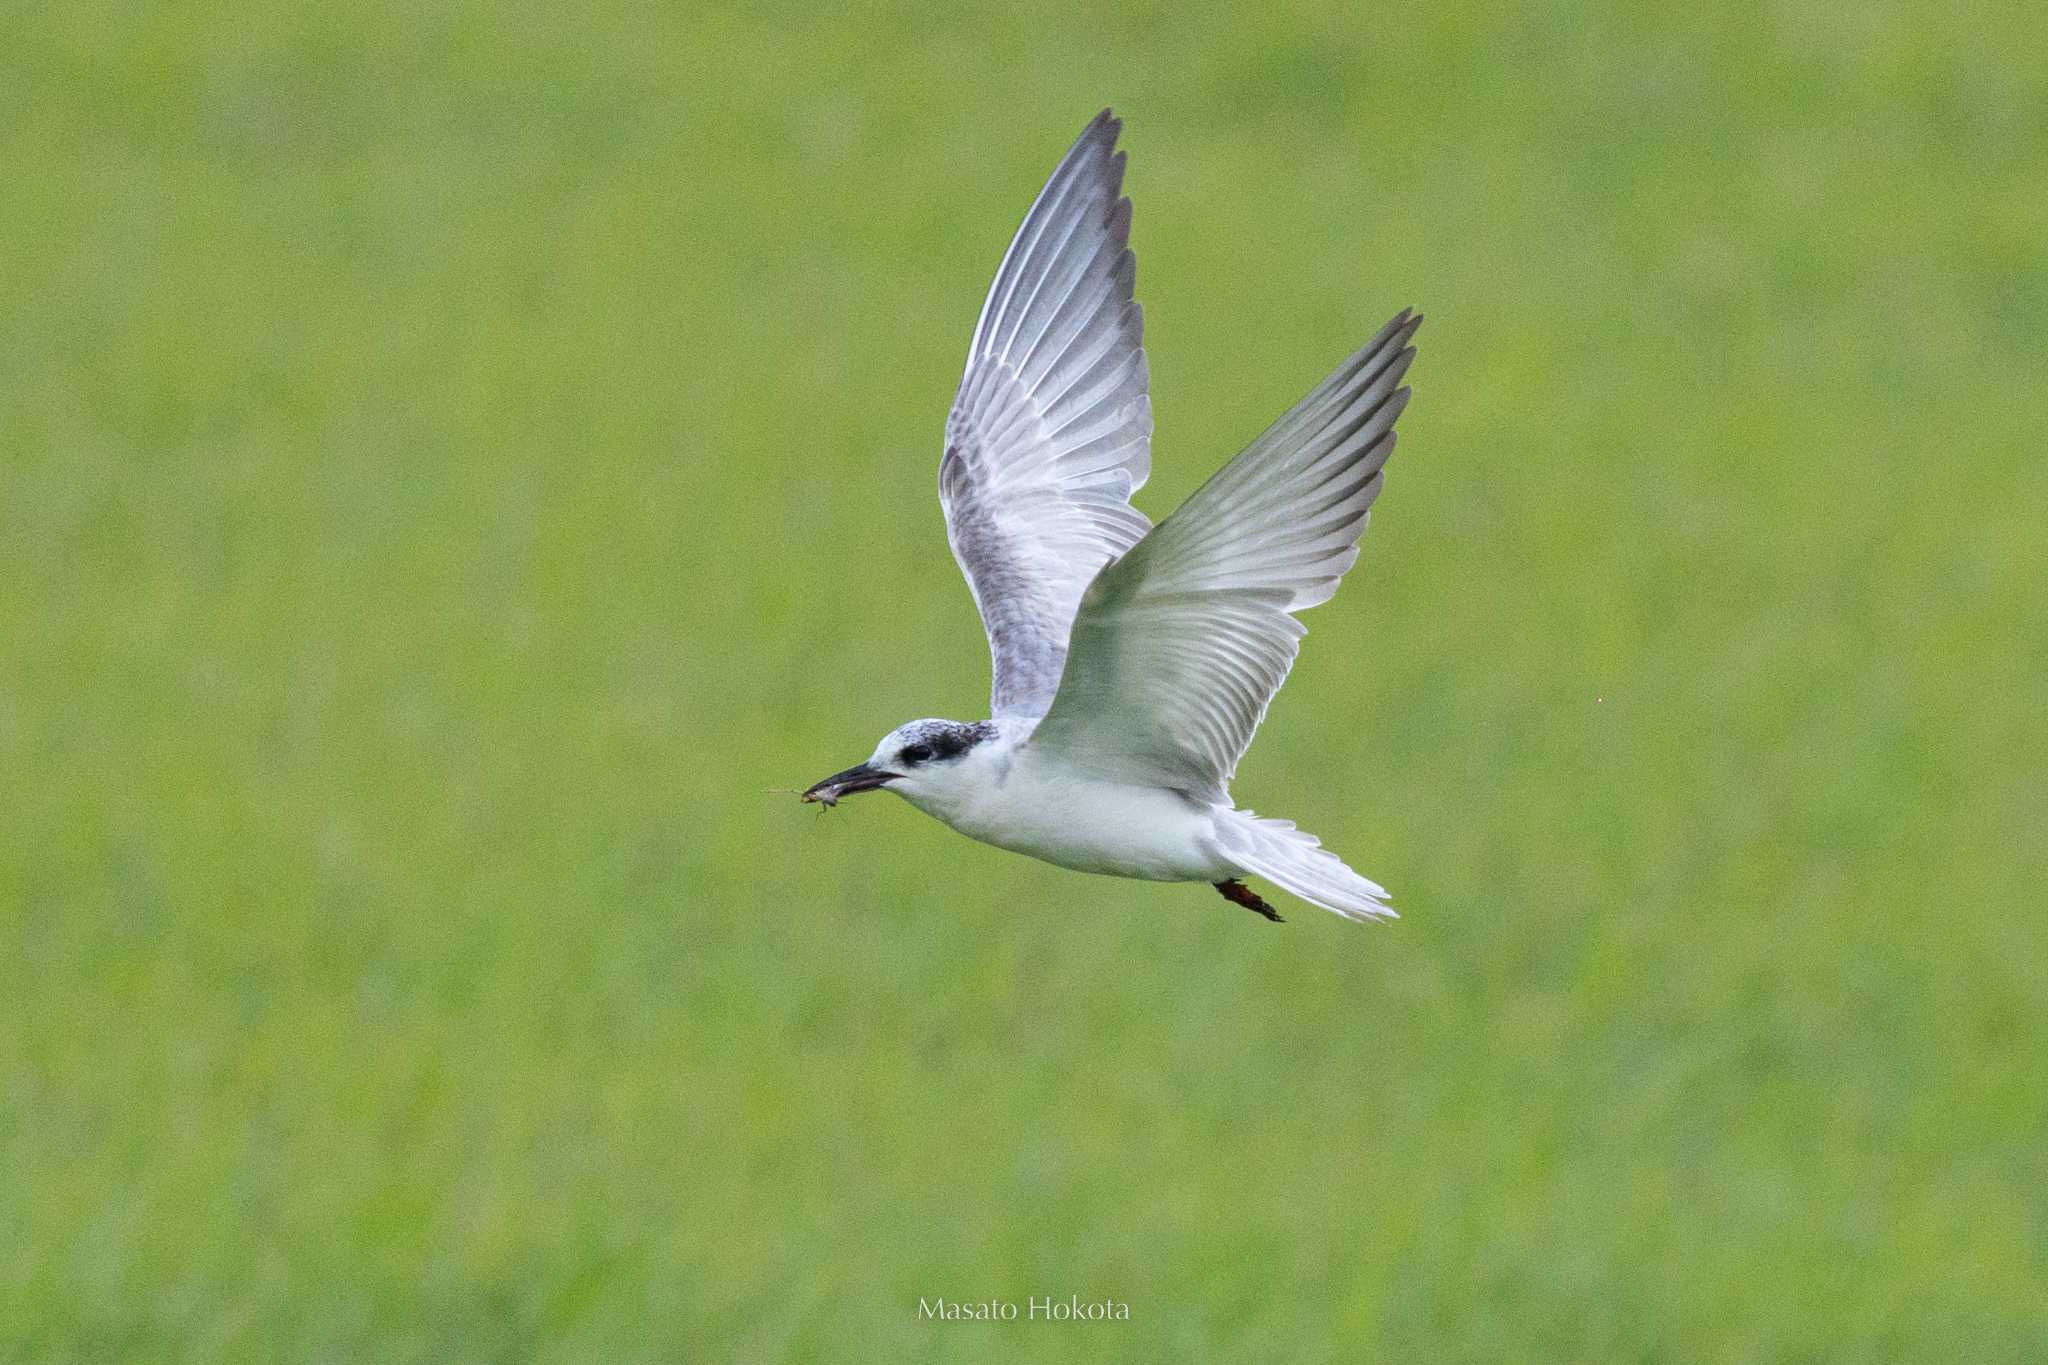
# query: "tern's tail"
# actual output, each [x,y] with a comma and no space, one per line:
[1296,861]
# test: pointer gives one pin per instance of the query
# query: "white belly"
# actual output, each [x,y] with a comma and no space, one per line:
[1087,825]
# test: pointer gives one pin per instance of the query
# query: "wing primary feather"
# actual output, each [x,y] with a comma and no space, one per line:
[1050,432]
[1180,644]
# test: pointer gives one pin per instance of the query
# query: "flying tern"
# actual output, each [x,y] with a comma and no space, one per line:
[1132,662]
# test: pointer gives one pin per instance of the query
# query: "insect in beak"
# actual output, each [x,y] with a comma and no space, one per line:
[861,777]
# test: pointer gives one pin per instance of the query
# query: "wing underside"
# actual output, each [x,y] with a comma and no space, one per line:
[1051,430]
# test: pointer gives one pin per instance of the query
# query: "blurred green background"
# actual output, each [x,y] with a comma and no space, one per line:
[454,457]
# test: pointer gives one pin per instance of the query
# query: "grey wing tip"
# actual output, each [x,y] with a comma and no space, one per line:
[1391,337]
[1117,221]
[1398,336]
[1105,128]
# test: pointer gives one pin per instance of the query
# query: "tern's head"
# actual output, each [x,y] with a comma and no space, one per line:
[920,759]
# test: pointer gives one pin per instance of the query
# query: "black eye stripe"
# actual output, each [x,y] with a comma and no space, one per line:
[936,741]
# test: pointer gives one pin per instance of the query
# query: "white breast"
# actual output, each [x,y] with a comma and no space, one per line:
[1018,799]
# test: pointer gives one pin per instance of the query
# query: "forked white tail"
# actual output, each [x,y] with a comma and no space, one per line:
[1296,861]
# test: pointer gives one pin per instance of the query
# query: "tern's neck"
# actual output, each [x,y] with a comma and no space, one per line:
[965,789]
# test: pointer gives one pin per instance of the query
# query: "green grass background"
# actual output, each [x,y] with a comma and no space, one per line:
[454,457]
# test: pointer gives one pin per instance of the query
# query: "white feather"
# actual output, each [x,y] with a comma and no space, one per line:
[1051,431]
[1179,646]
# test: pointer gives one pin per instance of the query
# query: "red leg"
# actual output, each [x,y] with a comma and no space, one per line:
[1237,893]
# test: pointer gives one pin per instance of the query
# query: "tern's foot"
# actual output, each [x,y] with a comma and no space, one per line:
[1237,893]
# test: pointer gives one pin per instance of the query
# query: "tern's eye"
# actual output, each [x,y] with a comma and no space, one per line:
[916,753]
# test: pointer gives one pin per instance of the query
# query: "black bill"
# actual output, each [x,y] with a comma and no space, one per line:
[859,778]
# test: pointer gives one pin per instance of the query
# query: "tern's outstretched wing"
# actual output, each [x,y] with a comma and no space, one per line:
[1052,428]
[1179,645]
